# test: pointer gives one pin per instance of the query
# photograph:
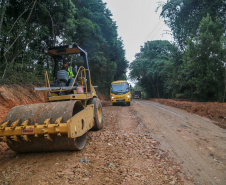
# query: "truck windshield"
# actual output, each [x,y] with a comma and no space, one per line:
[120,88]
[137,93]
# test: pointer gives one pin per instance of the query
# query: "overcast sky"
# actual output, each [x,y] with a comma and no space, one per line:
[138,22]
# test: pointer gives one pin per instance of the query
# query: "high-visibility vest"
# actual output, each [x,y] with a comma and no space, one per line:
[70,72]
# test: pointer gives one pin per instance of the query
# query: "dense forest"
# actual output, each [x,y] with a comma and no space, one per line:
[27,27]
[194,65]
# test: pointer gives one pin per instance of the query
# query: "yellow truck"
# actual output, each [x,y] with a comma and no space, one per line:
[120,92]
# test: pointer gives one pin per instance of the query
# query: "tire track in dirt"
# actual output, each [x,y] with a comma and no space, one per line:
[182,138]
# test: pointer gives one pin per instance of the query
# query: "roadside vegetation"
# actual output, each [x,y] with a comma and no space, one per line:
[28,27]
[192,67]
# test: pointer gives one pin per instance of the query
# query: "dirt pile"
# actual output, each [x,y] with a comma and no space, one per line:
[212,110]
[13,95]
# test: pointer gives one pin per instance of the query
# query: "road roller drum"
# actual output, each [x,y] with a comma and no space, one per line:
[47,126]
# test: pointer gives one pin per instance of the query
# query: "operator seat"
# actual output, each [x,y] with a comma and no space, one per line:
[62,78]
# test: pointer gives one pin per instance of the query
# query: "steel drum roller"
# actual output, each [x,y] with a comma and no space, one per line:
[38,113]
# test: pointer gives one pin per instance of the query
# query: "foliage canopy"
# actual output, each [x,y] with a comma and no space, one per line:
[27,27]
[198,73]
[184,16]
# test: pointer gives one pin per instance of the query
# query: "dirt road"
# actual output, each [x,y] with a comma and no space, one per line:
[146,143]
[195,142]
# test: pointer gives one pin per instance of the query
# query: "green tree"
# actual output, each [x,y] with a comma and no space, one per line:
[202,73]
[151,66]
[27,27]
[97,34]
[184,16]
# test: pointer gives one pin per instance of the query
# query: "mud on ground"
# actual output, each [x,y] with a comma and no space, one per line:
[213,110]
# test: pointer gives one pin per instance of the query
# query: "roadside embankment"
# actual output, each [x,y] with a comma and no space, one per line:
[213,110]
[13,95]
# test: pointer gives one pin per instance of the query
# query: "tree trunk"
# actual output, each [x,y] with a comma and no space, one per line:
[3,7]
[4,71]
[157,80]
[224,85]
[153,87]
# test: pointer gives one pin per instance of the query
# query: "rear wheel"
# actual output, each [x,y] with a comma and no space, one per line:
[98,113]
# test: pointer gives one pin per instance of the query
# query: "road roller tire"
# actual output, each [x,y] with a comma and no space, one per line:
[98,113]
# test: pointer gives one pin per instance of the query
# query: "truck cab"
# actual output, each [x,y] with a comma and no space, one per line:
[137,94]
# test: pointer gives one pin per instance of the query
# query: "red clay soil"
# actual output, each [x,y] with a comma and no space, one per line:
[13,95]
[212,110]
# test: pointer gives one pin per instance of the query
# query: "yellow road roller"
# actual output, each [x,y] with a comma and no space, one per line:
[69,112]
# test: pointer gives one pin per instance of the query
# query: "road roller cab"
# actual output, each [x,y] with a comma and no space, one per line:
[59,86]
[63,121]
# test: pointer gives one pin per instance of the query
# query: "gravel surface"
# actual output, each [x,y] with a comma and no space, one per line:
[122,153]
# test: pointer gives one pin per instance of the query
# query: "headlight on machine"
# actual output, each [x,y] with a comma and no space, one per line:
[128,96]
[112,97]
